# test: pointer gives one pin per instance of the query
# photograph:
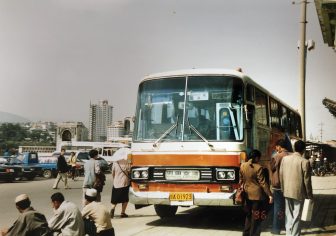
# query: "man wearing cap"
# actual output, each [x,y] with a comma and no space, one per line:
[67,218]
[98,213]
[29,222]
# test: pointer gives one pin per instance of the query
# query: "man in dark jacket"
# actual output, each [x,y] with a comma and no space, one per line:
[29,222]
[62,168]
[279,200]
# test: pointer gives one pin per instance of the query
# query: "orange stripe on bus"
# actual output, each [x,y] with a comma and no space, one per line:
[185,160]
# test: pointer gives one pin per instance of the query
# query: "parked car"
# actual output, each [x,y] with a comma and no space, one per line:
[29,170]
[7,173]
[104,165]
[83,156]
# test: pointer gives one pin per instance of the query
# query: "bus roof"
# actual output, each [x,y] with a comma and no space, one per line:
[195,72]
[215,71]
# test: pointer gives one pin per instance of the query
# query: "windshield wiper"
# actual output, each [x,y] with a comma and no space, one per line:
[168,131]
[200,135]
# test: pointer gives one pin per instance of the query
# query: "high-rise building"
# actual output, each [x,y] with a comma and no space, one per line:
[100,118]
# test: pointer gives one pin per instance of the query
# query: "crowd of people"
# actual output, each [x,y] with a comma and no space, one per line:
[290,186]
[290,178]
[94,219]
[67,219]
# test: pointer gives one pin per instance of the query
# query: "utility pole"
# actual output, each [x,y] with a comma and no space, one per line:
[321,130]
[302,73]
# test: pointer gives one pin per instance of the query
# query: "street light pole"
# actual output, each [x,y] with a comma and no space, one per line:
[302,73]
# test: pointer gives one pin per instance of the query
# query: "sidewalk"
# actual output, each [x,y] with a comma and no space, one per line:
[324,213]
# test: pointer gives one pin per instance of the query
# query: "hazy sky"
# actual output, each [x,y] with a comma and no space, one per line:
[58,55]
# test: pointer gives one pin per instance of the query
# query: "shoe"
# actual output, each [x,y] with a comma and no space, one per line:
[55,188]
[112,213]
[123,215]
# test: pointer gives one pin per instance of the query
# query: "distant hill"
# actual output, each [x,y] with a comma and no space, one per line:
[11,118]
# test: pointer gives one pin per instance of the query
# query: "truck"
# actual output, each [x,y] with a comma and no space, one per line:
[27,163]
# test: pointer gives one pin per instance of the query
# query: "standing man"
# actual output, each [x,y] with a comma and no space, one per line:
[296,185]
[97,213]
[62,169]
[29,222]
[279,200]
[67,219]
[91,169]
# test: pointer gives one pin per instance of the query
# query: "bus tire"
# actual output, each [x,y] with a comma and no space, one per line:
[164,211]
[47,174]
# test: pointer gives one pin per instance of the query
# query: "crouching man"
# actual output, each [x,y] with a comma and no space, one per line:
[67,219]
[29,222]
[96,216]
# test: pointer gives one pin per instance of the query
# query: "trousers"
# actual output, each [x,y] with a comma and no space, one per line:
[293,216]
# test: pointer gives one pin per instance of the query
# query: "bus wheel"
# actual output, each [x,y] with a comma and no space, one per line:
[165,210]
[47,174]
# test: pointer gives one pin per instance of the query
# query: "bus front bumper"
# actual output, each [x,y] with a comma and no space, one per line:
[199,199]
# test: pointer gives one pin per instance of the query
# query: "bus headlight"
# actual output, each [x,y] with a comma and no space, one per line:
[136,174]
[144,174]
[221,175]
[225,174]
[140,173]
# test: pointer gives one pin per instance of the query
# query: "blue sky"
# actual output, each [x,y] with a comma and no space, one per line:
[58,55]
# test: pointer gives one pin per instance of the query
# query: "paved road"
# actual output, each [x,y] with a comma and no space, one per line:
[189,221]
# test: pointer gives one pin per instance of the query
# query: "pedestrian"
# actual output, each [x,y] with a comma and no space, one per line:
[96,213]
[278,198]
[121,183]
[67,219]
[257,191]
[312,161]
[72,163]
[91,169]
[296,185]
[29,222]
[62,169]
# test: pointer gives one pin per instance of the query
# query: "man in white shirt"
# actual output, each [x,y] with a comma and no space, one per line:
[67,219]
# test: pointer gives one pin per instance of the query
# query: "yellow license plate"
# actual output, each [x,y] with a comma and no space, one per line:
[180,197]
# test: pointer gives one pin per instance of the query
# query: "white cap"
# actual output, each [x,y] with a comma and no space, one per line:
[21,197]
[91,192]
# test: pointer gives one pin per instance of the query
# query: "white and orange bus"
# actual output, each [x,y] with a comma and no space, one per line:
[193,129]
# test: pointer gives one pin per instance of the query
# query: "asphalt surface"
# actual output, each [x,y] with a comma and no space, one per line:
[188,221]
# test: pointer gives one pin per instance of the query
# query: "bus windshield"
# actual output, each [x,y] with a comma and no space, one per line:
[176,109]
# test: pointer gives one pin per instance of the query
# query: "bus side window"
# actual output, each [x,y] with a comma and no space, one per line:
[250,93]
[261,108]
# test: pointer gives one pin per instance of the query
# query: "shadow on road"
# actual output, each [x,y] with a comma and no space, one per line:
[229,218]
[232,218]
